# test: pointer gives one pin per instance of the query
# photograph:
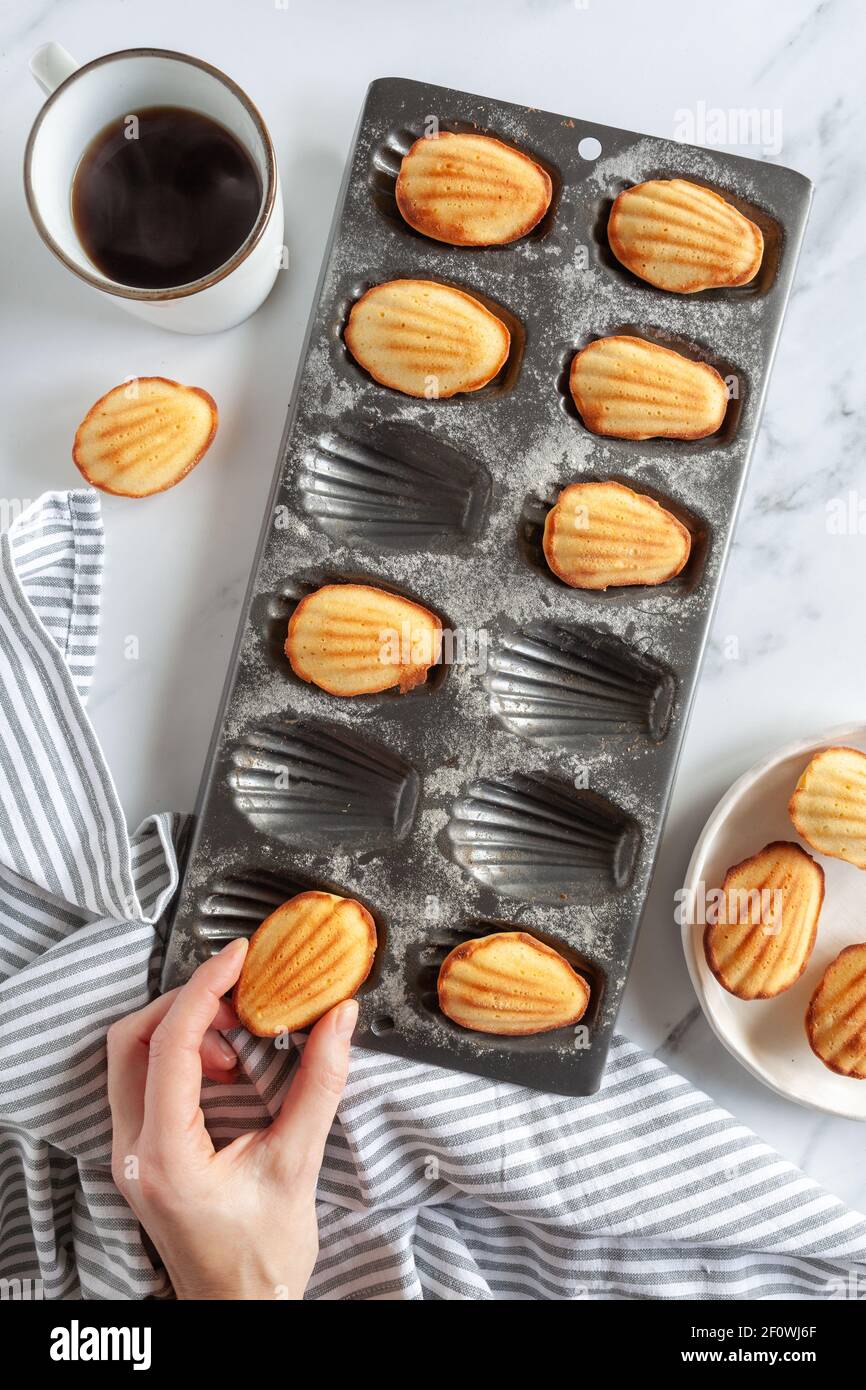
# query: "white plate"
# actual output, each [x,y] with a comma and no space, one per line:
[768,1035]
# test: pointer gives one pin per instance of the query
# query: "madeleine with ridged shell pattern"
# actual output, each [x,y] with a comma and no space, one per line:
[511,984]
[836,1017]
[144,436]
[828,807]
[762,937]
[629,388]
[602,535]
[683,238]
[425,339]
[354,639]
[312,953]
[471,190]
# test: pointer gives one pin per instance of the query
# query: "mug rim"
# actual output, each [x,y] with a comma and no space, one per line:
[255,235]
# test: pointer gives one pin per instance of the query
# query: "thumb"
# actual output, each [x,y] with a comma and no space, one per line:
[311,1104]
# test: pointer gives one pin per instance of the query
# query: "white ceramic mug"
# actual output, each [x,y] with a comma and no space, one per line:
[81,102]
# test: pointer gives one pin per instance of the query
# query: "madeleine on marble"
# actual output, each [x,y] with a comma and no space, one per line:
[426,339]
[768,921]
[312,953]
[471,190]
[836,1018]
[683,238]
[629,388]
[509,983]
[354,639]
[604,535]
[828,807]
[144,436]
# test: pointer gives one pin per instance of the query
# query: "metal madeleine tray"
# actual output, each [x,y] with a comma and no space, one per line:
[525,785]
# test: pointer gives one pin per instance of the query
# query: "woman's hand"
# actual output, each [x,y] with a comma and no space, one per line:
[241,1223]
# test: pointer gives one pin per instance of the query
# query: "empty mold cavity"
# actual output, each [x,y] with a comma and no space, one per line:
[388,155]
[543,841]
[505,378]
[394,488]
[319,788]
[271,612]
[770,230]
[237,904]
[531,544]
[557,684]
[733,377]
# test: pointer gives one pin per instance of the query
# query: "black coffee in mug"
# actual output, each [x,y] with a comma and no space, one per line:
[164,197]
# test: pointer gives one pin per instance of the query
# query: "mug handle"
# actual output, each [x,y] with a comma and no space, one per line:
[51,65]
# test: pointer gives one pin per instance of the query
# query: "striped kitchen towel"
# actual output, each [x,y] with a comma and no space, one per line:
[436,1185]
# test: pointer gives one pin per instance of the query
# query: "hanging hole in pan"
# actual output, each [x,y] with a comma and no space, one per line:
[769,227]
[589,148]
[733,377]
[382,1025]
[506,377]
[530,543]
[388,155]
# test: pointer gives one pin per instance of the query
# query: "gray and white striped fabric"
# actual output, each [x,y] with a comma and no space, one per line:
[436,1185]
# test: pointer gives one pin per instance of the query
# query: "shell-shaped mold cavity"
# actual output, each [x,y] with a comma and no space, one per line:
[237,905]
[318,787]
[542,841]
[399,489]
[557,684]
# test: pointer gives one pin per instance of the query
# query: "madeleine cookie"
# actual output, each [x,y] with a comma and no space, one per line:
[629,388]
[767,921]
[601,535]
[426,339]
[681,237]
[836,1017]
[352,639]
[144,436]
[312,953]
[512,984]
[828,807]
[471,190]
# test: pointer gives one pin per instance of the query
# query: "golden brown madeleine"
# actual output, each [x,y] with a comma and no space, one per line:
[471,190]
[426,339]
[682,237]
[512,984]
[144,436]
[828,807]
[312,953]
[353,639]
[836,1017]
[767,921]
[601,535]
[629,388]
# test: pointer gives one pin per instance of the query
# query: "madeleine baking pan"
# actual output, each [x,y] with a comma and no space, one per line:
[525,785]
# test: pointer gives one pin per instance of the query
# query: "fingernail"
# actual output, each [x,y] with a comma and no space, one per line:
[227,1052]
[239,946]
[345,1018]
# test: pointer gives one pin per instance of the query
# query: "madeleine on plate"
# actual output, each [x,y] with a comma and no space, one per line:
[682,237]
[312,953]
[144,436]
[767,923]
[353,639]
[629,388]
[828,807]
[836,1018]
[426,339]
[512,984]
[471,190]
[603,535]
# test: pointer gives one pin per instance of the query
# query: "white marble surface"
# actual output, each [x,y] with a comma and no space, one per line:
[178,564]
